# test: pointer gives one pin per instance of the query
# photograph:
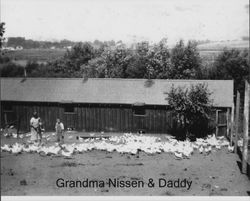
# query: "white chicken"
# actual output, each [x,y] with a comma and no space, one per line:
[178,155]
[201,149]
[53,150]
[14,135]
[187,151]
[230,148]
[218,146]
[33,148]
[195,146]
[207,149]
[6,148]
[133,151]
[17,148]
[66,154]
[127,143]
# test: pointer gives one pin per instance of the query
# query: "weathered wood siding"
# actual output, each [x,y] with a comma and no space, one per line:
[94,117]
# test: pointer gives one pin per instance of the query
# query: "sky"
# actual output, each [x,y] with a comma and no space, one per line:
[126,20]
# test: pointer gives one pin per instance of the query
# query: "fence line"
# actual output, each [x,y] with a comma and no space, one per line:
[237,116]
[245,128]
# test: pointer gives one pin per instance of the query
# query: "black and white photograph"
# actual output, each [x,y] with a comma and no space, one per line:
[124,98]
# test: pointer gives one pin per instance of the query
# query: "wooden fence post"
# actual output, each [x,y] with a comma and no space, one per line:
[245,128]
[232,126]
[228,121]
[236,123]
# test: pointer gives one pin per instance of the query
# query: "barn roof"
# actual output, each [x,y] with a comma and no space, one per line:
[106,90]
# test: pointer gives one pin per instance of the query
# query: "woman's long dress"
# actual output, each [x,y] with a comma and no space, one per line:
[35,123]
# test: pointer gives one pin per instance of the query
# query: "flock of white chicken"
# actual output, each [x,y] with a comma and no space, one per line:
[126,143]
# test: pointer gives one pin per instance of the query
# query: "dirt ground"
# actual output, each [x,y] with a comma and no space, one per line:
[32,174]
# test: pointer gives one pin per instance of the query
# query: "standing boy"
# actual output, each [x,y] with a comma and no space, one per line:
[40,131]
[59,130]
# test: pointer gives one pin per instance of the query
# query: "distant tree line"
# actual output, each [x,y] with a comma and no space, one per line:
[141,60]
[35,44]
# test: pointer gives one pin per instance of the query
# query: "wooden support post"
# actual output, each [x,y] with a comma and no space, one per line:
[228,122]
[236,123]
[217,122]
[245,128]
[232,125]
[5,118]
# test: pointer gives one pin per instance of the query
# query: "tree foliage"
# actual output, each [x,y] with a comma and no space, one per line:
[2,30]
[186,61]
[191,107]
[11,70]
[232,64]
[70,64]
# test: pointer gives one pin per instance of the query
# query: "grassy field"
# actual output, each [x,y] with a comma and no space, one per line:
[209,51]
[41,55]
[220,45]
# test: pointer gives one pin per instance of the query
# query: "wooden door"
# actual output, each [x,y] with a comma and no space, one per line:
[139,119]
[222,122]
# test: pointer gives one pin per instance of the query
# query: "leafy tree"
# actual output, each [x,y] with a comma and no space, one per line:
[111,63]
[95,68]
[232,64]
[191,107]
[118,61]
[70,64]
[80,54]
[186,61]
[11,70]
[45,71]
[31,66]
[2,30]
[138,66]
[4,59]
[159,61]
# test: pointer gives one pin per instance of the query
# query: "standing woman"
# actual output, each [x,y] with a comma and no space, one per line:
[34,124]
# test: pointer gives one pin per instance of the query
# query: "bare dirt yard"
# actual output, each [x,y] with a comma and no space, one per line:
[216,173]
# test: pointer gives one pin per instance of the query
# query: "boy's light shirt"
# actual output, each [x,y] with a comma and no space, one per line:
[61,124]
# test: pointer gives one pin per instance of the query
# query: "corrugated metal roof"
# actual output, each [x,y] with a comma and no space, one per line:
[105,90]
